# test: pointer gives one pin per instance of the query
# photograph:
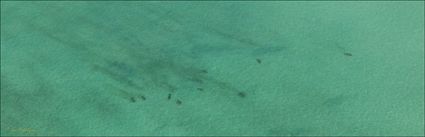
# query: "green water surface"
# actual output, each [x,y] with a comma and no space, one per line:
[212,68]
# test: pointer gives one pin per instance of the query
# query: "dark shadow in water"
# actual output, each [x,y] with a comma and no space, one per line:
[133,64]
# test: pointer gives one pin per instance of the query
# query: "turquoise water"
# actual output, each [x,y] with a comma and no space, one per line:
[212,68]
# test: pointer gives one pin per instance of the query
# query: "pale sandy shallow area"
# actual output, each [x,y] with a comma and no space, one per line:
[212,68]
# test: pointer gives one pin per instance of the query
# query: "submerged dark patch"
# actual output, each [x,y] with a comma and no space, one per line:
[132,99]
[242,94]
[179,102]
[142,97]
[169,97]
[348,54]
[258,61]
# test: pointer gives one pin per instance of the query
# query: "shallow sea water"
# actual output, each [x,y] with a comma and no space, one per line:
[212,68]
